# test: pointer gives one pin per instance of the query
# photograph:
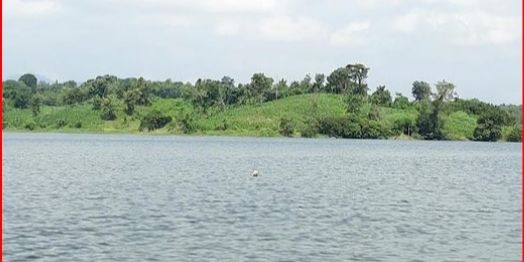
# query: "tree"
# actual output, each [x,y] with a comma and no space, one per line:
[318,85]
[425,121]
[445,91]
[381,97]
[305,84]
[36,102]
[281,89]
[489,125]
[421,90]
[17,92]
[107,108]
[401,102]
[154,120]
[259,84]
[339,80]
[29,80]
[73,95]
[354,103]
[99,87]
[358,73]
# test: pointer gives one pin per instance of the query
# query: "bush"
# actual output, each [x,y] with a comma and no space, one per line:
[78,125]
[61,123]
[107,109]
[310,130]
[187,123]
[515,134]
[154,120]
[30,126]
[345,127]
[404,126]
[286,127]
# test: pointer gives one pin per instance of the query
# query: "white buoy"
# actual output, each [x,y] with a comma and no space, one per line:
[255,173]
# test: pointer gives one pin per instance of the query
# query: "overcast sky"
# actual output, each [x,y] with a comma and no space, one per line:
[474,44]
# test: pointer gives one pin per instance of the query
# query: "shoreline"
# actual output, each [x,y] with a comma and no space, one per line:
[167,134]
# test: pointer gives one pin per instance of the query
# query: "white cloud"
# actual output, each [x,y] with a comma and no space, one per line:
[229,6]
[30,8]
[350,35]
[462,28]
[209,6]
[285,28]
[227,28]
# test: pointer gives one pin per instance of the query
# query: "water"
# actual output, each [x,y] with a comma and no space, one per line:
[136,198]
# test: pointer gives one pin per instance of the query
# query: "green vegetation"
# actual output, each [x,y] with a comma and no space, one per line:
[336,105]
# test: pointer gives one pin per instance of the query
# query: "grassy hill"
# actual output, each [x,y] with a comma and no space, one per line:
[245,120]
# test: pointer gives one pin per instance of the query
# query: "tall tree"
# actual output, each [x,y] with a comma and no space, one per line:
[259,84]
[358,74]
[421,90]
[339,80]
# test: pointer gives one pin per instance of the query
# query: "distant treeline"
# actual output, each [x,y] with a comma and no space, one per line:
[113,97]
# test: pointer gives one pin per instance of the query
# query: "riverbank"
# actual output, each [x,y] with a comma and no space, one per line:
[262,120]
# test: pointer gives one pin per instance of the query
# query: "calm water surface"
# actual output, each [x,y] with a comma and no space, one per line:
[136,198]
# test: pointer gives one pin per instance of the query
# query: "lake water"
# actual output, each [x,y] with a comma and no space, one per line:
[136,198]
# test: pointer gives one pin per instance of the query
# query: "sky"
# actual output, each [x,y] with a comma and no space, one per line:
[474,44]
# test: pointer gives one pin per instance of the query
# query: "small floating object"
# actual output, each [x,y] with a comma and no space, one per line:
[255,173]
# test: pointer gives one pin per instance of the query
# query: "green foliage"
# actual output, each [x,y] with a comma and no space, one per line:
[30,126]
[154,120]
[421,90]
[134,97]
[355,103]
[259,84]
[339,80]
[17,92]
[187,123]
[29,80]
[73,95]
[286,127]
[401,102]
[61,123]
[428,124]
[107,109]
[489,126]
[381,97]
[36,102]
[310,129]
[259,108]
[405,125]
[459,126]
[513,133]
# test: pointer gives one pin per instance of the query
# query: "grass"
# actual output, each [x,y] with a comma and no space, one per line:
[246,120]
[459,126]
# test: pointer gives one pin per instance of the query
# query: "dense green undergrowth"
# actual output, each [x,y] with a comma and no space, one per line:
[244,120]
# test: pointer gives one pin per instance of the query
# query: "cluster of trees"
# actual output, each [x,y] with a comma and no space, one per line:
[109,94]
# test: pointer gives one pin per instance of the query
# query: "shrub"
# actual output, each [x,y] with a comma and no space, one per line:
[310,130]
[30,126]
[107,109]
[61,123]
[345,127]
[154,120]
[78,125]
[187,123]
[515,134]
[286,127]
